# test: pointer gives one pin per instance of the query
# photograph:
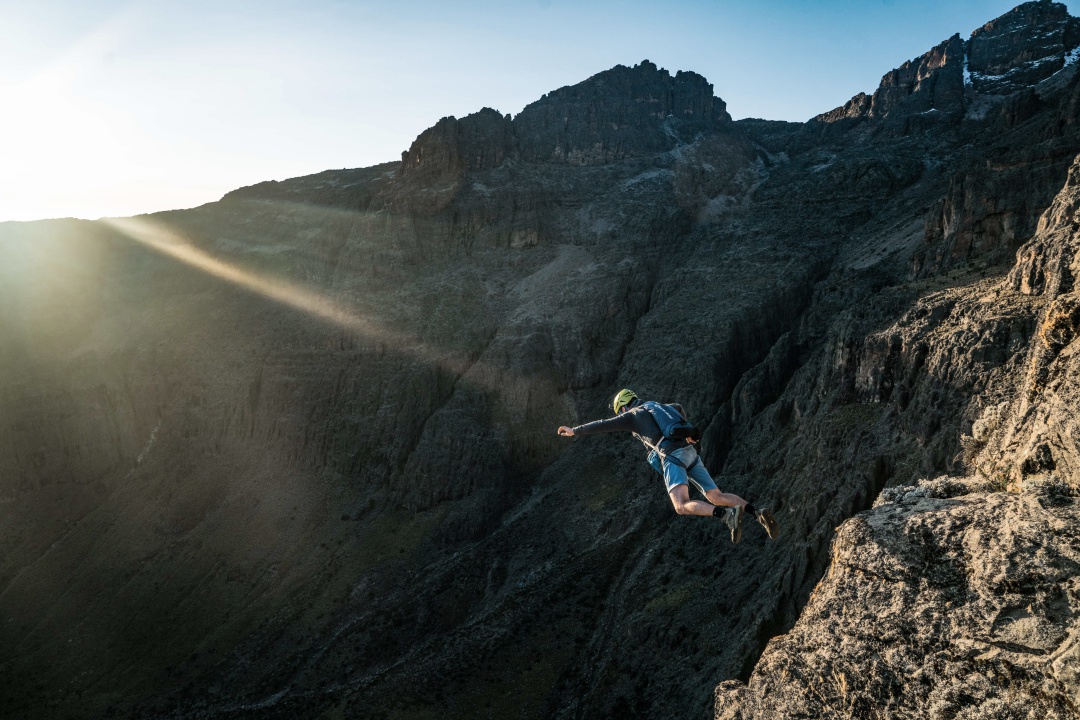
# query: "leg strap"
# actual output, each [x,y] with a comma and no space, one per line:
[675,462]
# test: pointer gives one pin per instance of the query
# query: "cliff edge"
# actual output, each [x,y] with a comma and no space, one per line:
[943,601]
[959,597]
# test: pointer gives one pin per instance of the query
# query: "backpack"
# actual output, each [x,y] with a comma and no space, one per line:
[671,422]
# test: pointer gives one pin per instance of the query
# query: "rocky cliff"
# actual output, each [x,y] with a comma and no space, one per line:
[292,454]
[958,597]
[614,115]
[945,600]
[1021,48]
[1014,53]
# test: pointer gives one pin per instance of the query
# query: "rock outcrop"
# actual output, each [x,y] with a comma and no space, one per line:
[942,601]
[931,83]
[480,141]
[1037,433]
[1022,47]
[615,115]
[954,597]
[618,114]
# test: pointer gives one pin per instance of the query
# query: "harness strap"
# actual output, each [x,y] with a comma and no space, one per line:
[664,456]
[673,461]
[687,468]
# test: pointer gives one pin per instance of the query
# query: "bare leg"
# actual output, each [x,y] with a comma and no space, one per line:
[724,499]
[680,498]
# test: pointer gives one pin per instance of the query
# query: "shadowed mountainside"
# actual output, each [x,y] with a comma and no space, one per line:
[953,597]
[292,454]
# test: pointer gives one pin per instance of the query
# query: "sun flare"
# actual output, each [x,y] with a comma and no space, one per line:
[169,242]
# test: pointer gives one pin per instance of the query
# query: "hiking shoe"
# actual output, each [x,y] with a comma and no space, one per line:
[768,522]
[733,519]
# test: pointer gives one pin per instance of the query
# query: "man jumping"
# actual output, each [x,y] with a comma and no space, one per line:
[677,460]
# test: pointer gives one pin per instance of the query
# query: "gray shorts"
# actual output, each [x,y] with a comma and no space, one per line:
[690,470]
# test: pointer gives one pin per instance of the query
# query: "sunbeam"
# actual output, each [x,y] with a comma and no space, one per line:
[168,242]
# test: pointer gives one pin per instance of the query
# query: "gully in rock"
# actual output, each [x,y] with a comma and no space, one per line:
[670,437]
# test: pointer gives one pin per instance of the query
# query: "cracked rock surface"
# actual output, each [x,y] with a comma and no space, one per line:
[943,601]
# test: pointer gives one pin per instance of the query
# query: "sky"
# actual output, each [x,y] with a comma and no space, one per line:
[120,107]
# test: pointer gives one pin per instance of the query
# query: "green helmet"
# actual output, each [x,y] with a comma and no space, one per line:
[622,399]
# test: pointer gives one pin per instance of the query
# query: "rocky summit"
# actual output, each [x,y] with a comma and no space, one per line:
[293,453]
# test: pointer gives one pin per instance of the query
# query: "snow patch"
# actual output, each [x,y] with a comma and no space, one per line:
[1058,80]
[991,77]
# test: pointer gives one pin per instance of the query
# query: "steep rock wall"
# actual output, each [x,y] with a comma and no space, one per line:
[1022,47]
[970,590]
[617,114]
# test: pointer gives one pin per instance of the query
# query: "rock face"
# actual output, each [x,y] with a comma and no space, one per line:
[1017,51]
[1022,47]
[617,114]
[292,454]
[614,115]
[480,141]
[934,82]
[942,601]
[1037,433]
[948,599]
[931,83]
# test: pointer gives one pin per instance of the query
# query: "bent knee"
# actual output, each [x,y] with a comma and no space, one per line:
[683,509]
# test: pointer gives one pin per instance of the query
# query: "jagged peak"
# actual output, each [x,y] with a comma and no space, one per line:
[646,70]
[686,94]
[1020,49]
[478,141]
[1030,13]
[931,83]
[620,112]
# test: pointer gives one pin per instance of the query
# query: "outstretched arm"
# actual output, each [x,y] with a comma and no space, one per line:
[613,424]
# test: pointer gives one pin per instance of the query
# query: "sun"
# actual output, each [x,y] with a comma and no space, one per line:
[61,152]
[64,146]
